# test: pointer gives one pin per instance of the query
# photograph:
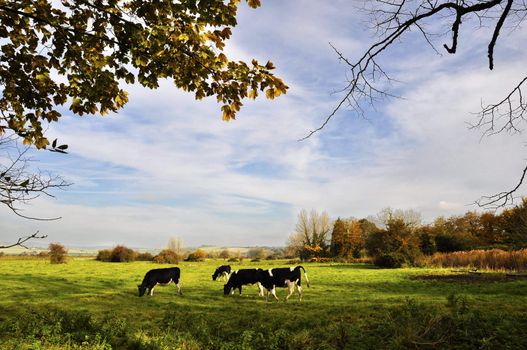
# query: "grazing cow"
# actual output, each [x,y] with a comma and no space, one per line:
[283,277]
[242,277]
[222,272]
[159,276]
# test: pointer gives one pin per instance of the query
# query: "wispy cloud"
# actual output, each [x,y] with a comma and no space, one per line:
[167,165]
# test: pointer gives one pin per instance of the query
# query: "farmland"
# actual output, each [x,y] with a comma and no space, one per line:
[94,305]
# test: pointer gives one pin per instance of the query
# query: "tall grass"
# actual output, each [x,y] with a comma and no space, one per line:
[495,259]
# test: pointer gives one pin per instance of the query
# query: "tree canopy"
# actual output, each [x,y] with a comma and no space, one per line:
[81,54]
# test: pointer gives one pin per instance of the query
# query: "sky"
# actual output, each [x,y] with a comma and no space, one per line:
[167,166]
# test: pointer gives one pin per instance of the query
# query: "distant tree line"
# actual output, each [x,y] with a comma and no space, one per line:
[175,253]
[395,237]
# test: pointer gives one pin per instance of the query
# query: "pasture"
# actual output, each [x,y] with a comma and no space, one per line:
[87,304]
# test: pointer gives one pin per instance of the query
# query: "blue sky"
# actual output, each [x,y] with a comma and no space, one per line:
[166,165]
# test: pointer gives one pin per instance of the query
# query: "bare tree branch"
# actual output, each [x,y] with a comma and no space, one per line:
[394,18]
[20,242]
[501,199]
[19,184]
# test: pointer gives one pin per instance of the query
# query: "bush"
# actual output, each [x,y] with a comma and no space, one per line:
[144,257]
[57,253]
[167,256]
[104,255]
[390,260]
[122,254]
[233,259]
[198,255]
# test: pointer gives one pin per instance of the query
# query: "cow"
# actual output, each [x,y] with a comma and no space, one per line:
[242,277]
[222,272]
[159,276]
[283,277]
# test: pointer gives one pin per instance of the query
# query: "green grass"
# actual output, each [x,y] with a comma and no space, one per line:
[90,304]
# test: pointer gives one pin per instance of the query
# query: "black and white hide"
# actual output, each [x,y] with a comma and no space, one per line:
[222,272]
[289,277]
[159,276]
[243,277]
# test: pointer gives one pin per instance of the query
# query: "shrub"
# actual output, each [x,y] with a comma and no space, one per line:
[389,260]
[57,253]
[198,255]
[144,257]
[122,254]
[233,259]
[167,256]
[104,255]
[224,254]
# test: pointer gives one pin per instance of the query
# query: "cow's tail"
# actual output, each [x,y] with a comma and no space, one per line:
[305,274]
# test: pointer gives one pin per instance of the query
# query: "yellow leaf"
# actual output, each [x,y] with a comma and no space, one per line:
[253,94]
[227,113]
[270,93]
[254,3]
[269,65]
[223,58]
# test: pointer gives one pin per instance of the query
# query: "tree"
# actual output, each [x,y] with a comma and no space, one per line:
[57,253]
[395,245]
[347,238]
[258,253]
[225,254]
[312,231]
[337,237]
[81,53]
[513,222]
[393,19]
[176,246]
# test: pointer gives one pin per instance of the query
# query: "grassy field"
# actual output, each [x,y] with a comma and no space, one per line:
[94,305]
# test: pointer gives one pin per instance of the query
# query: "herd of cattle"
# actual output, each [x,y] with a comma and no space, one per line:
[266,280]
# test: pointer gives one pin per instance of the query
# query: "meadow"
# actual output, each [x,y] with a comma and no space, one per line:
[87,304]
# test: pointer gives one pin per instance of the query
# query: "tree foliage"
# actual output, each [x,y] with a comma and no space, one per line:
[347,238]
[80,54]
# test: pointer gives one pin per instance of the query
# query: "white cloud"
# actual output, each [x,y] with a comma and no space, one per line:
[167,165]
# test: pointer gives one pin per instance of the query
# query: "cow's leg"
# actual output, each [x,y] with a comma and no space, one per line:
[299,289]
[178,288]
[152,290]
[260,290]
[240,288]
[273,292]
[290,288]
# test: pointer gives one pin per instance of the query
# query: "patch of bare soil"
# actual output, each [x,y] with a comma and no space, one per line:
[470,277]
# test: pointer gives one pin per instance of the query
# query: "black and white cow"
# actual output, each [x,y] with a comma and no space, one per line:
[222,272]
[159,276]
[243,277]
[283,277]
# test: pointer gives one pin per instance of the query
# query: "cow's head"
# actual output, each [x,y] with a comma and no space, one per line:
[227,289]
[216,274]
[142,289]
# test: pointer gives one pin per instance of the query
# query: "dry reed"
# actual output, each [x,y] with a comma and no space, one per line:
[495,259]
